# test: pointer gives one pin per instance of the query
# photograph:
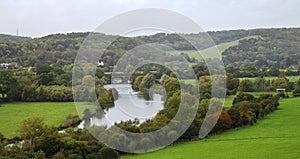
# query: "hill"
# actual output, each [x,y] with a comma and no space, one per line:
[221,47]
[275,47]
[12,38]
[261,48]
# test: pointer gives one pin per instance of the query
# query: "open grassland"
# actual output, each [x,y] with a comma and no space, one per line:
[11,114]
[257,94]
[228,102]
[212,50]
[276,136]
[291,78]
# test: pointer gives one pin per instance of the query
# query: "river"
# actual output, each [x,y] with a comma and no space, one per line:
[128,106]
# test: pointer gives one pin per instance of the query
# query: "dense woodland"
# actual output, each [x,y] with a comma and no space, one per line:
[40,69]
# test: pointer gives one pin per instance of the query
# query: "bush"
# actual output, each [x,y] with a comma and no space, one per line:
[108,153]
[71,121]
[243,97]
[224,122]
[280,95]
[47,93]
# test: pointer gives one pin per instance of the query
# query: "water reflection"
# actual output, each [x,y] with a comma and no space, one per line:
[128,106]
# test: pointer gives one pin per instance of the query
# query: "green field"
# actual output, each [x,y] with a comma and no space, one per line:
[12,113]
[211,50]
[228,102]
[276,136]
[257,94]
[291,78]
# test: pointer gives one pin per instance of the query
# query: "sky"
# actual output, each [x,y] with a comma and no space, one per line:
[38,18]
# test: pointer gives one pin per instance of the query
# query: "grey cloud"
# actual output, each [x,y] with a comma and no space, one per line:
[42,17]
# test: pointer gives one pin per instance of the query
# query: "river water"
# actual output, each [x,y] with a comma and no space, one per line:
[129,105]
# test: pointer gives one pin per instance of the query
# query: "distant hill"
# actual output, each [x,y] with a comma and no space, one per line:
[12,38]
[278,47]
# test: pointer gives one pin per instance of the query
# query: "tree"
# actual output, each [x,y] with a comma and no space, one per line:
[45,79]
[14,93]
[7,81]
[259,84]
[88,81]
[232,83]
[43,68]
[87,114]
[147,82]
[108,153]
[136,83]
[99,72]
[31,128]
[234,114]
[296,92]
[171,85]
[246,85]
[50,144]
[29,93]
[243,97]
[145,143]
[205,86]
[273,71]
[224,122]
[280,83]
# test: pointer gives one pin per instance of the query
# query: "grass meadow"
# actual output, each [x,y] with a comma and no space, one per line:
[276,136]
[11,114]
[291,78]
[211,50]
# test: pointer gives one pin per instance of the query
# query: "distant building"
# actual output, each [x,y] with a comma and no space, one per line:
[8,65]
[295,67]
[100,64]
[278,90]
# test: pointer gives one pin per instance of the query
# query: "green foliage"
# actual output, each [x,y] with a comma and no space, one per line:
[31,128]
[136,83]
[246,85]
[272,137]
[296,92]
[29,93]
[147,82]
[171,85]
[106,97]
[71,121]
[206,83]
[274,47]
[243,97]
[8,83]
[12,38]
[108,153]
[274,71]
[224,122]
[282,83]
[47,93]
[53,113]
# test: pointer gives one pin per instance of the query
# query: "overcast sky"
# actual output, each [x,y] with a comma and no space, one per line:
[41,17]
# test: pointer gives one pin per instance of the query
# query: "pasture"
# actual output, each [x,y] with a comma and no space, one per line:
[54,113]
[276,136]
[212,50]
[291,78]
